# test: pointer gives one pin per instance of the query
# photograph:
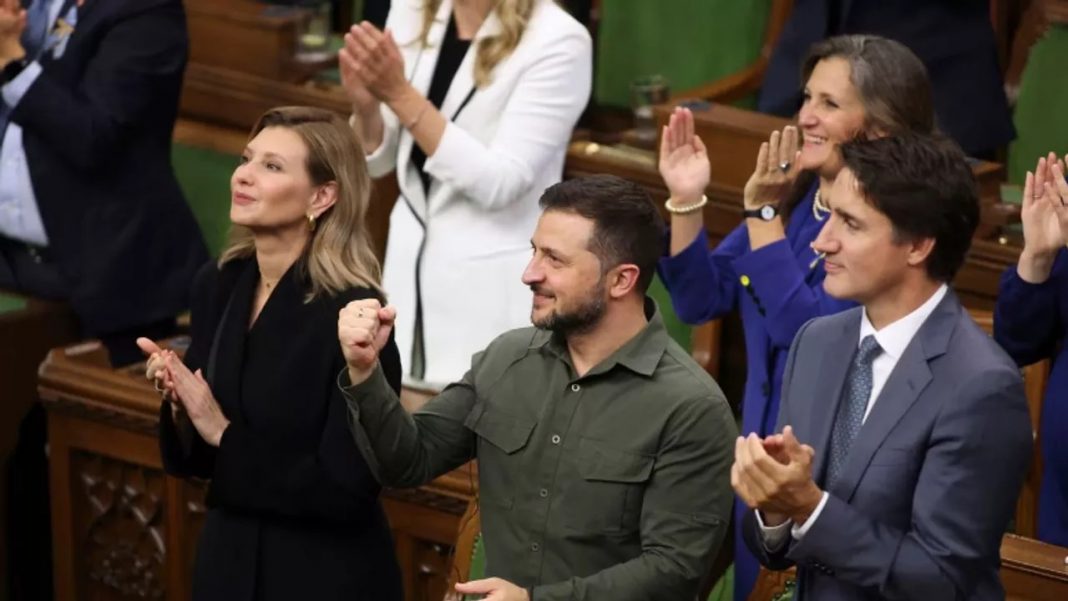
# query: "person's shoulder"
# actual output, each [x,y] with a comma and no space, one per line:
[975,351]
[684,381]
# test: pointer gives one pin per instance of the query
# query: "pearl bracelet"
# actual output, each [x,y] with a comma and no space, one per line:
[697,206]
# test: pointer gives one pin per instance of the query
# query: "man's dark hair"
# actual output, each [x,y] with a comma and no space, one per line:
[627,226]
[924,186]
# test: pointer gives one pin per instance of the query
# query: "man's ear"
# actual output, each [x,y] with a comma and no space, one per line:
[622,279]
[920,250]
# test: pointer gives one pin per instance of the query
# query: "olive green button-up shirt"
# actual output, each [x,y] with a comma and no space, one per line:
[610,486]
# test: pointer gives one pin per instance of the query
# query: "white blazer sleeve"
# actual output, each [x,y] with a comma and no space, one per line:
[384,158]
[536,123]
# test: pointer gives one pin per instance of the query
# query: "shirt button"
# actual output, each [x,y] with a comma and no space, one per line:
[543,493]
[575,388]
[556,439]
[535,547]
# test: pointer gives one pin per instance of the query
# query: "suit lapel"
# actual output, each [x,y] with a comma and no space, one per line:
[834,364]
[903,388]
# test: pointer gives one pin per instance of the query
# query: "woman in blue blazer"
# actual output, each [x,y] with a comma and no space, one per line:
[854,85]
[1031,324]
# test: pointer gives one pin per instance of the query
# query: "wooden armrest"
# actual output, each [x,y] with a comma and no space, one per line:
[1034,570]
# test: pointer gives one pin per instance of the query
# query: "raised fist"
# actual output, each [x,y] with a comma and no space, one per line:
[363,328]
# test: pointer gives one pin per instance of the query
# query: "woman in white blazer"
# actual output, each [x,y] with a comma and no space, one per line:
[484,95]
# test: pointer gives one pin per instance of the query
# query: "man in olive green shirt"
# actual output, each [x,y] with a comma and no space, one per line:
[604,451]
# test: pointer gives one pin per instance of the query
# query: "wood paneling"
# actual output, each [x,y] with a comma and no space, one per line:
[122,529]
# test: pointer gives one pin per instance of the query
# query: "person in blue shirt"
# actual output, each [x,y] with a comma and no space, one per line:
[1031,324]
[855,85]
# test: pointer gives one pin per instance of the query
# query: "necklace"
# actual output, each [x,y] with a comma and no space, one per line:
[819,210]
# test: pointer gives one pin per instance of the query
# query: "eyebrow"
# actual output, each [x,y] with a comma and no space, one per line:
[268,154]
[847,215]
[549,250]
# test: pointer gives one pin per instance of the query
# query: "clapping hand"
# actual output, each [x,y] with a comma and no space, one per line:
[1044,213]
[774,475]
[371,66]
[683,159]
[155,370]
[777,166]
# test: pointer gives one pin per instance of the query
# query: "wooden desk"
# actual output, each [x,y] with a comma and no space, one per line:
[28,328]
[123,529]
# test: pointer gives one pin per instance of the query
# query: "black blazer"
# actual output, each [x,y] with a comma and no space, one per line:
[293,507]
[953,38]
[97,129]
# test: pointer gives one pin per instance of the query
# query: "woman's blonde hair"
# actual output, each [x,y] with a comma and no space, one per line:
[338,254]
[513,15]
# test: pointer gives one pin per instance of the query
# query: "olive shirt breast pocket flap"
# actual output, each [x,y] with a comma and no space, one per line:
[600,465]
[506,432]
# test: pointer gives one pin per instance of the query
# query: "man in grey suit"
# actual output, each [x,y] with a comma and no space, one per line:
[903,431]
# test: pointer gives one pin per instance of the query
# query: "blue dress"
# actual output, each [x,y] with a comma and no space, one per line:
[780,293]
[1031,324]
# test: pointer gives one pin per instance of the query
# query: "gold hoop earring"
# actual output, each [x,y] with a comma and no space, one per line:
[311,222]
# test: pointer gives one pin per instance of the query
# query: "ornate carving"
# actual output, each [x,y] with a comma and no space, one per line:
[122,520]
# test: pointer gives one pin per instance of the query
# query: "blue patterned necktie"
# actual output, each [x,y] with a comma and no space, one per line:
[851,410]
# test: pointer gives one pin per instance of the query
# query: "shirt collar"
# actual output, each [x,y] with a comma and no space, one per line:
[894,338]
[641,354]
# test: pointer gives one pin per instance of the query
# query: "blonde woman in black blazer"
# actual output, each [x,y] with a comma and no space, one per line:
[293,507]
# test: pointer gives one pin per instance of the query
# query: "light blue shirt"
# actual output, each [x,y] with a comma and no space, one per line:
[20,217]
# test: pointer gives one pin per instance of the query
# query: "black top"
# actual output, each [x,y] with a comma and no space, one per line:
[453,50]
[293,507]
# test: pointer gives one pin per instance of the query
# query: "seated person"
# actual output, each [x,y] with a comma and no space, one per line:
[903,434]
[293,509]
[1031,324]
[602,448]
[90,210]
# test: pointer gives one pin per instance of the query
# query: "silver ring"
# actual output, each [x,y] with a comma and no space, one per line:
[785,166]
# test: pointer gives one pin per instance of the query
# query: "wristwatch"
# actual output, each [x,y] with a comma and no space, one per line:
[764,213]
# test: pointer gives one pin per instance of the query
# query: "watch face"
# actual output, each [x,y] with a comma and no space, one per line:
[767,212]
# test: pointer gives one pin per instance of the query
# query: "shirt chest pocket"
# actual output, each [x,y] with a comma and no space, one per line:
[608,495]
[501,437]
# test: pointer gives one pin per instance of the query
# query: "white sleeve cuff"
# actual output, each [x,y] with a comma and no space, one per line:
[14,90]
[799,531]
[774,537]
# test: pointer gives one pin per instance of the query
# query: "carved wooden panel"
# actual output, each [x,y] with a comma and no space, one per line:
[118,520]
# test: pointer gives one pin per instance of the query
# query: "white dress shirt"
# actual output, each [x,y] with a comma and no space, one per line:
[893,340]
[20,217]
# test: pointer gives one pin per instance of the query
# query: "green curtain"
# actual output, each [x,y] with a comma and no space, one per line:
[1041,115]
[204,176]
[689,42]
[9,303]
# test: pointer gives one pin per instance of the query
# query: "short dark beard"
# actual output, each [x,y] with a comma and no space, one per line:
[579,321]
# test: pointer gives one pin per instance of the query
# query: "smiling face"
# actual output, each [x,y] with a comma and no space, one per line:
[565,276]
[832,113]
[271,188]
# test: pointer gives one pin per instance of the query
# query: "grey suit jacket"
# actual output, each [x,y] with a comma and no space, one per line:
[932,477]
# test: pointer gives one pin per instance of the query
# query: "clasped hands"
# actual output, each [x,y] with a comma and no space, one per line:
[774,475]
[372,68]
[186,391]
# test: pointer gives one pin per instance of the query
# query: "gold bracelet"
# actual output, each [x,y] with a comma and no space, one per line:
[697,206]
[419,116]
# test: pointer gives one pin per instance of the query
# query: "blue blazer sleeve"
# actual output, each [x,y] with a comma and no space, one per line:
[778,278]
[1027,317]
[702,283]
